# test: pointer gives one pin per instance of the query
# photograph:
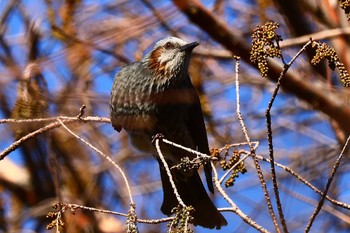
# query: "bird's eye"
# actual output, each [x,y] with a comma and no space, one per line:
[169,46]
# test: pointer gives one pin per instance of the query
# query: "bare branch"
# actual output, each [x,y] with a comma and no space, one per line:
[42,130]
[252,150]
[167,169]
[329,182]
[104,156]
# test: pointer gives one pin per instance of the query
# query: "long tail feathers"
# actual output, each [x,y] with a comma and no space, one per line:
[193,193]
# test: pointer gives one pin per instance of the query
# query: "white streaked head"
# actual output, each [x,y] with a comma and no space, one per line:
[170,55]
[173,40]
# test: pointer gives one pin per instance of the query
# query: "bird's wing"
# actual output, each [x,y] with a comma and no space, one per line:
[130,101]
[115,94]
[196,126]
[120,100]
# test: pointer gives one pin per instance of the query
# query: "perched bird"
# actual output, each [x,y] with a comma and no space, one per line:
[156,96]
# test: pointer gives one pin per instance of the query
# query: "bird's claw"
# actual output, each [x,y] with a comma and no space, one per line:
[158,136]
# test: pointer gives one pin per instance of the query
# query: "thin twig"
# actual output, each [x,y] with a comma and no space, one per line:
[58,217]
[329,182]
[104,156]
[252,152]
[148,221]
[199,154]
[234,208]
[303,180]
[324,34]
[81,111]
[17,143]
[66,119]
[256,144]
[270,139]
[233,167]
[327,208]
[51,126]
[167,169]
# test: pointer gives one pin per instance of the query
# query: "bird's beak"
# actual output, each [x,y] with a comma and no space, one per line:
[189,47]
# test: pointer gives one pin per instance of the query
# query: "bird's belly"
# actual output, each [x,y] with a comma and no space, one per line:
[142,142]
[172,128]
[142,123]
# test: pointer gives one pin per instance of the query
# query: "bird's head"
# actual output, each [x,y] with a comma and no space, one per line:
[170,57]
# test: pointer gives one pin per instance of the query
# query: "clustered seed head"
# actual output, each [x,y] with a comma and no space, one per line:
[324,51]
[215,153]
[131,226]
[54,223]
[183,216]
[265,44]
[240,168]
[345,5]
[57,221]
[186,164]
